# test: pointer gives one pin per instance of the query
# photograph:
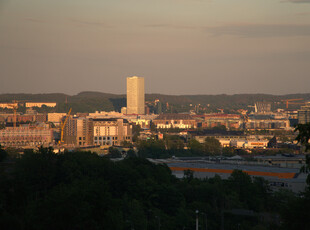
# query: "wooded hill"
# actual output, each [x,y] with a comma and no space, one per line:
[97,101]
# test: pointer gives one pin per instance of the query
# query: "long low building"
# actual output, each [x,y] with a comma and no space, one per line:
[40,104]
[278,177]
[181,121]
[230,121]
[26,136]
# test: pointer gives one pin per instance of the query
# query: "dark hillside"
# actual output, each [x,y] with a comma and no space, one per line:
[96,101]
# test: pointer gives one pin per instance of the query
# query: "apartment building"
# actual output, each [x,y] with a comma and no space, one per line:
[78,131]
[111,131]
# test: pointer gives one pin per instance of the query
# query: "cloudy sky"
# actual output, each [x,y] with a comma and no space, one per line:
[178,46]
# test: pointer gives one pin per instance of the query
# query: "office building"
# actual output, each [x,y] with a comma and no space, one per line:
[135,95]
[304,114]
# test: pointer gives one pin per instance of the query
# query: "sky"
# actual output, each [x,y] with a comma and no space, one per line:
[179,46]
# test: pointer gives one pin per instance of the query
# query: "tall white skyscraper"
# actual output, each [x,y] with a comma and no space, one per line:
[135,95]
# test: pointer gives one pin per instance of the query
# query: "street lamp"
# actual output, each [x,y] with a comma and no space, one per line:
[197,212]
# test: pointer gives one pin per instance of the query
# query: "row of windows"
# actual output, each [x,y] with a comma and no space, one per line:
[105,138]
[103,142]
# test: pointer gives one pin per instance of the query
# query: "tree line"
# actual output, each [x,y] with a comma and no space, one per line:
[81,190]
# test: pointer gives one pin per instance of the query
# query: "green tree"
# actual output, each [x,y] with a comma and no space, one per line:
[174,142]
[212,146]
[136,129]
[153,127]
[131,153]
[152,148]
[303,138]
[228,151]
[303,134]
[126,144]
[195,147]
[3,154]
[114,153]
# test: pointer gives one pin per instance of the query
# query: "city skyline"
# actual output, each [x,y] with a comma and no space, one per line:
[181,47]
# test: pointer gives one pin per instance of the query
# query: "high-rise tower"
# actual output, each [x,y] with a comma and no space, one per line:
[135,95]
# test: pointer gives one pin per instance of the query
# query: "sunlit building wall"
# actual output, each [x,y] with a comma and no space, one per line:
[135,95]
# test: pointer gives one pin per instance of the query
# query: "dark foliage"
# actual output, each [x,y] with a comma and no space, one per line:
[81,190]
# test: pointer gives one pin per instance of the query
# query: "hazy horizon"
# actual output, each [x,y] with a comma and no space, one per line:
[165,94]
[180,47]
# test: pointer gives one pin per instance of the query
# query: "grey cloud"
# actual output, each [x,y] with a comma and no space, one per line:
[260,30]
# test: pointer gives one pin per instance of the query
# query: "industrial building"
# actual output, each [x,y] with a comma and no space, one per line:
[278,177]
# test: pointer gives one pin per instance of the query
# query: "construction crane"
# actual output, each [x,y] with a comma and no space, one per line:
[62,127]
[221,110]
[289,101]
[14,106]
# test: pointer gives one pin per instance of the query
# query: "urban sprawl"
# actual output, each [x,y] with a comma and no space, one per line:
[260,140]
